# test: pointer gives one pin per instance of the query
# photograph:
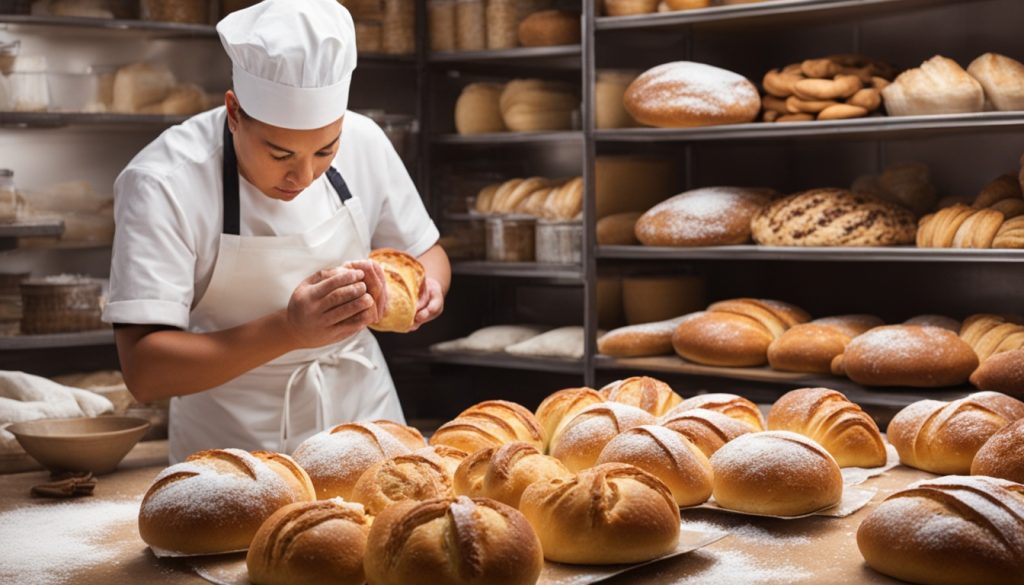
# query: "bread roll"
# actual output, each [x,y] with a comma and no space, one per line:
[581,440]
[1002,455]
[644,392]
[405,278]
[833,217]
[706,429]
[549,28]
[629,7]
[640,340]
[477,110]
[1001,188]
[935,321]
[950,530]
[712,216]
[667,455]
[944,437]
[1003,372]
[731,405]
[472,433]
[938,86]
[776,473]
[830,419]
[336,458]
[409,436]
[611,514]
[216,500]
[503,473]
[1002,78]
[684,94]
[310,543]
[618,229]
[453,540]
[852,325]
[447,457]
[807,347]
[533,105]
[559,408]
[735,332]
[401,478]
[519,418]
[909,355]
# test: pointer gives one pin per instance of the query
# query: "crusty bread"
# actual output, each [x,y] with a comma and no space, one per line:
[909,355]
[337,457]
[618,229]
[533,105]
[731,405]
[807,347]
[549,28]
[938,86]
[950,530]
[736,332]
[503,473]
[640,340]
[711,216]
[526,427]
[581,440]
[708,430]
[644,392]
[940,321]
[400,478]
[559,408]
[1002,455]
[405,279]
[1002,78]
[667,455]
[409,436]
[477,110]
[989,335]
[852,325]
[1003,372]
[447,457]
[686,94]
[838,425]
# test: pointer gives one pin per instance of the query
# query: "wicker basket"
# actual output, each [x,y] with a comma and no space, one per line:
[60,305]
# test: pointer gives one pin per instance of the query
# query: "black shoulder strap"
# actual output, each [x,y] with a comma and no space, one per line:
[232,210]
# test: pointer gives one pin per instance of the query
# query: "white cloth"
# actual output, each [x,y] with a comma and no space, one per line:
[25,397]
[292,61]
[168,210]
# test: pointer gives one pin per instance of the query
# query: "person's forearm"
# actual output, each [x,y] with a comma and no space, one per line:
[435,263]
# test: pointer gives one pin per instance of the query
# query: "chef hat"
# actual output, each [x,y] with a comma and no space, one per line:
[292,61]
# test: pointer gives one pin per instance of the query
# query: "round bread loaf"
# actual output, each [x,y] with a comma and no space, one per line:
[731,405]
[948,531]
[775,473]
[409,436]
[1003,372]
[706,429]
[477,110]
[684,94]
[453,540]
[582,439]
[503,473]
[935,321]
[629,7]
[838,425]
[909,355]
[722,339]
[448,457]
[559,408]
[618,229]
[646,339]
[311,543]
[336,458]
[613,513]
[852,325]
[405,278]
[712,216]
[807,347]
[216,500]
[667,455]
[643,392]
[401,478]
[549,28]
[519,418]
[1002,78]
[1002,455]
[944,437]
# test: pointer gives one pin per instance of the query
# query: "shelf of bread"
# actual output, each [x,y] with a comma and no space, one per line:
[809,254]
[57,340]
[569,55]
[41,229]
[498,360]
[107,25]
[569,272]
[509,138]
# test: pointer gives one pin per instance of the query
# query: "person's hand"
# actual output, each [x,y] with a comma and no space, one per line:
[431,303]
[329,306]
[376,283]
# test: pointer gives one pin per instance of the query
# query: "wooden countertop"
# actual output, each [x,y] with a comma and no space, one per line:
[758,550]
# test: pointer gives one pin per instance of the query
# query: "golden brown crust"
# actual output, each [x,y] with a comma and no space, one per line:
[549,28]
[909,355]
[838,425]
[401,478]
[667,455]
[524,425]
[579,443]
[683,220]
[685,94]
[336,458]
[503,473]
[411,437]
[558,408]
[1002,456]
[706,429]
[405,278]
[807,347]
[618,229]
[731,405]
[644,392]
[1003,372]
[701,340]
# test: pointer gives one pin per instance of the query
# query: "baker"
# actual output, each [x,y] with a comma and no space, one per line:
[240,285]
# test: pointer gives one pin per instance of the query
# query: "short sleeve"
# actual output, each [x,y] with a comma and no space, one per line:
[152,274]
[404,223]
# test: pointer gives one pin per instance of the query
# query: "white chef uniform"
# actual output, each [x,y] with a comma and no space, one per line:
[199,248]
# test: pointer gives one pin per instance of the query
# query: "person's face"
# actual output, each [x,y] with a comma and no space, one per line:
[281,163]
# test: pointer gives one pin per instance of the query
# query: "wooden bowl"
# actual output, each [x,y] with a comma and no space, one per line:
[80,444]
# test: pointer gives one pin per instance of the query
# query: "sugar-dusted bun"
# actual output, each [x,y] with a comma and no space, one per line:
[935,321]
[948,531]
[216,500]
[1002,455]
[642,340]
[582,439]
[336,458]
[613,513]
[405,279]
[777,473]
[909,355]
[1003,372]
[838,425]
[644,392]
[686,94]
[448,457]
[453,540]
[559,408]
[524,425]
[852,325]
[404,477]
[808,347]
[310,543]
[706,429]
[667,455]
[710,216]
[731,405]
[503,473]
[944,437]
[722,339]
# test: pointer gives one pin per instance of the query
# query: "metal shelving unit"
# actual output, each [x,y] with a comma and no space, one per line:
[726,253]
[534,270]
[565,56]
[57,340]
[507,138]
[503,361]
[9,233]
[106,26]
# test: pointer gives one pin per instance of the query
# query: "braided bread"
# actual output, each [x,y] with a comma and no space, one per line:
[838,425]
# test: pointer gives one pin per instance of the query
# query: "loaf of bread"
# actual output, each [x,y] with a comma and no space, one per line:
[963,530]
[735,333]
[473,541]
[1002,456]
[400,478]
[549,28]
[940,321]
[581,440]
[731,405]
[640,340]
[706,429]
[668,456]
[216,500]
[405,279]
[526,426]
[944,437]
[337,457]
[989,335]
[1010,234]
[852,325]
[559,408]
[534,105]
[833,217]
[685,94]
[1002,78]
[411,437]
[503,473]
[310,543]
[712,216]
[618,229]
[830,419]
[629,7]
[1002,187]
[611,514]
[811,347]
[938,86]
[449,458]
[907,355]
[644,392]
[477,110]
[1003,372]
[907,184]
[775,473]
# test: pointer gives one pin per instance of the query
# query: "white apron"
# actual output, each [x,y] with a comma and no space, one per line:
[278,405]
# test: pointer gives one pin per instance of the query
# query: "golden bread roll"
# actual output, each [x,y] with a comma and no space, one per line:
[944,437]
[447,457]
[336,458]
[938,86]
[559,408]
[838,425]
[475,432]
[808,347]
[909,185]
[611,514]
[629,7]
[549,28]
[409,436]
[712,216]
[685,94]
[503,473]
[532,105]
[940,321]
[453,541]
[668,456]
[1010,234]
[216,500]
[1002,455]
[775,473]
[731,405]
[979,230]
[706,429]
[477,110]
[852,325]
[618,229]
[401,478]
[405,279]
[310,543]
[644,392]
[646,339]
[581,440]
[722,339]
[909,355]
[485,198]
[946,531]
[1003,372]
[1002,78]
[1001,188]
[775,316]
[525,425]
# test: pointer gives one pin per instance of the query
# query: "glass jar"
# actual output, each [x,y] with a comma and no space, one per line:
[502,24]
[511,238]
[399,27]
[470,25]
[8,197]
[559,242]
[442,25]
[181,11]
